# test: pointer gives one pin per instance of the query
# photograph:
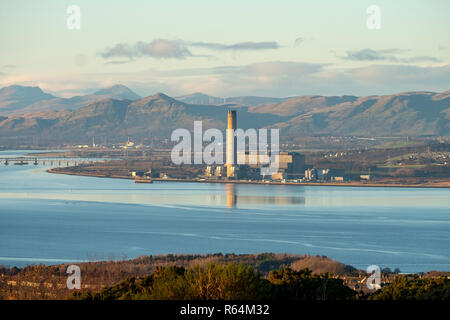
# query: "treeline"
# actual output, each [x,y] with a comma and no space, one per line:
[219,276]
[242,282]
[49,282]
[415,288]
[224,282]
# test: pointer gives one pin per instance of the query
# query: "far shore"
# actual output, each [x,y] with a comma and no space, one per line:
[439,184]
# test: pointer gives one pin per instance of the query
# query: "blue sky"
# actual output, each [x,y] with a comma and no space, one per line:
[227,48]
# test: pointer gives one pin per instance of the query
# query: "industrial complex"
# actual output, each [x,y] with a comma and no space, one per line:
[291,165]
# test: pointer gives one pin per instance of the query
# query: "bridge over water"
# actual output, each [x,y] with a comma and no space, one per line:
[45,161]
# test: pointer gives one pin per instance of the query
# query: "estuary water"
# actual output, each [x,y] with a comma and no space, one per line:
[51,218]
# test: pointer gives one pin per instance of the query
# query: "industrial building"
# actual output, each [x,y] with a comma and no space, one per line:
[291,164]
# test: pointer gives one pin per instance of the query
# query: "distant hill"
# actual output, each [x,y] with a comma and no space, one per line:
[17,97]
[156,115]
[300,105]
[200,98]
[20,99]
[411,113]
[117,92]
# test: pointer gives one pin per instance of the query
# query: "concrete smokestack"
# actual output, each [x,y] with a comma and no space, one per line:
[231,143]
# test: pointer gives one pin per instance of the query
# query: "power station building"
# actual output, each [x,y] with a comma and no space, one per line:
[291,164]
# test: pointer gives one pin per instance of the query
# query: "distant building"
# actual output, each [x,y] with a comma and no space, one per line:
[290,164]
[218,171]
[128,144]
[137,173]
[310,174]
[141,173]
[209,171]
[232,171]
[163,175]
[279,176]
[323,174]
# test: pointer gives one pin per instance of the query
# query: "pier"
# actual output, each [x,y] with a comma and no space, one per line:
[43,161]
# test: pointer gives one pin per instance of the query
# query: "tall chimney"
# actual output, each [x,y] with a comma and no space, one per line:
[231,143]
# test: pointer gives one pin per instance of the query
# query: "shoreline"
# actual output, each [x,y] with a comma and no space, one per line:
[445,185]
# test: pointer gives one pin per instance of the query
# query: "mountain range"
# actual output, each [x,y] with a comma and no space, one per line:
[118,112]
[200,98]
[17,99]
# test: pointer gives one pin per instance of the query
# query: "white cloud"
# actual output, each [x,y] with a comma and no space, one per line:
[177,49]
[271,78]
[158,48]
[249,45]
[391,55]
[298,41]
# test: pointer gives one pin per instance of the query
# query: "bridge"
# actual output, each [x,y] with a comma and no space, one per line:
[44,161]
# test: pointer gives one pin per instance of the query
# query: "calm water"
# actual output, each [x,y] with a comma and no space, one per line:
[48,218]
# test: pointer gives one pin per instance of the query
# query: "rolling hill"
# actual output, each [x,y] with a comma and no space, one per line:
[200,98]
[21,99]
[18,97]
[410,113]
[153,116]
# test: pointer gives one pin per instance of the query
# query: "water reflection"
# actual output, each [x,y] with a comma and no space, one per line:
[235,197]
[231,195]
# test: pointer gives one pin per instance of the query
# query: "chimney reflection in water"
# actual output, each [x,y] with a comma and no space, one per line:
[231,195]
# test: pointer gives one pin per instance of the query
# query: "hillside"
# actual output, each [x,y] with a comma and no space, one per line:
[49,282]
[157,115]
[411,113]
[16,97]
[200,98]
[20,99]
[403,114]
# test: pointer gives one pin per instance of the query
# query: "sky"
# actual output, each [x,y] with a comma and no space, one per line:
[227,48]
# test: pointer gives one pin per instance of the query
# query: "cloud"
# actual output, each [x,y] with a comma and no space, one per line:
[392,74]
[385,55]
[7,69]
[270,78]
[118,62]
[298,41]
[366,55]
[289,78]
[283,68]
[241,46]
[420,59]
[177,49]
[279,78]
[269,68]
[158,48]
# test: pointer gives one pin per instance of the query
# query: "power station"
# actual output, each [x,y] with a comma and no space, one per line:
[291,164]
[231,159]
